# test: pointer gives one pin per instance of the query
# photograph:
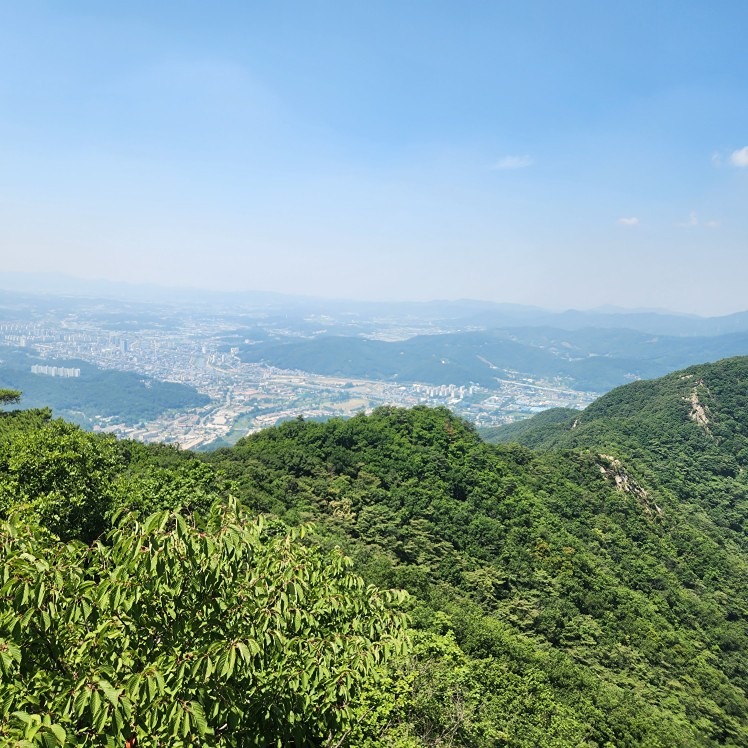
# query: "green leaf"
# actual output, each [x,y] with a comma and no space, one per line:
[244,652]
[198,716]
[185,723]
[111,693]
[27,616]
[80,702]
[95,706]
[59,732]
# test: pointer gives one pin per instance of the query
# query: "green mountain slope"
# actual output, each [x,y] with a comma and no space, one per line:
[591,593]
[592,360]
[530,429]
[686,434]
[541,565]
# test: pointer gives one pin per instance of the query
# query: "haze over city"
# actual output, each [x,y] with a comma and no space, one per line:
[563,155]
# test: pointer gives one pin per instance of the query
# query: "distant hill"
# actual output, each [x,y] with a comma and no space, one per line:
[530,431]
[126,397]
[686,432]
[452,314]
[593,360]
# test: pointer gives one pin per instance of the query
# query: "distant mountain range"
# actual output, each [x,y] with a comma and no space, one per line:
[440,342]
[460,314]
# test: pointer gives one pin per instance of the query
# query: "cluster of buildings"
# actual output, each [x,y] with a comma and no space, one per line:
[246,397]
[453,393]
[55,371]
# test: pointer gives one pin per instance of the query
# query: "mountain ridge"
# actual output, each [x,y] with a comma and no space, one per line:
[470,312]
[590,592]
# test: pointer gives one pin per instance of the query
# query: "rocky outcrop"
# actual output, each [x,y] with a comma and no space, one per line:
[613,469]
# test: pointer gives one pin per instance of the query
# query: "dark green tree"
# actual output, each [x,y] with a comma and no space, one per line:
[9,397]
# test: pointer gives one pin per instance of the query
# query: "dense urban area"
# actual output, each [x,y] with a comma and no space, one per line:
[197,350]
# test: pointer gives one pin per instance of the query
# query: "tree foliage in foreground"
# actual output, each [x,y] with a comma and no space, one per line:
[61,476]
[185,633]
[592,596]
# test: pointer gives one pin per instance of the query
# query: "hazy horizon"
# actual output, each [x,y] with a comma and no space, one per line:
[61,284]
[569,156]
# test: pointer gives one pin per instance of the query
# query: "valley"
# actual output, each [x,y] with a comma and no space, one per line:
[245,364]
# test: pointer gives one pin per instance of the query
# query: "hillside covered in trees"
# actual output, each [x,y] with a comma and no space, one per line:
[587,592]
[122,396]
[590,359]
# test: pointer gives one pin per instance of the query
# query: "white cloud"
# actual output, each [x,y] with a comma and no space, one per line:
[693,221]
[716,159]
[739,157]
[633,221]
[513,162]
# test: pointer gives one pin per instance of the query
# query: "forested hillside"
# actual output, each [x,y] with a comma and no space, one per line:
[590,593]
[685,434]
[590,359]
[123,396]
[528,429]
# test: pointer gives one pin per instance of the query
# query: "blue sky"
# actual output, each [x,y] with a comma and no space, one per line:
[562,154]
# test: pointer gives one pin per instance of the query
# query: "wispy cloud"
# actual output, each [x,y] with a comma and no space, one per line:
[633,221]
[513,162]
[716,159]
[739,157]
[693,221]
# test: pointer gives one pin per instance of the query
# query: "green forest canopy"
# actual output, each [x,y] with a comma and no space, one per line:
[589,593]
